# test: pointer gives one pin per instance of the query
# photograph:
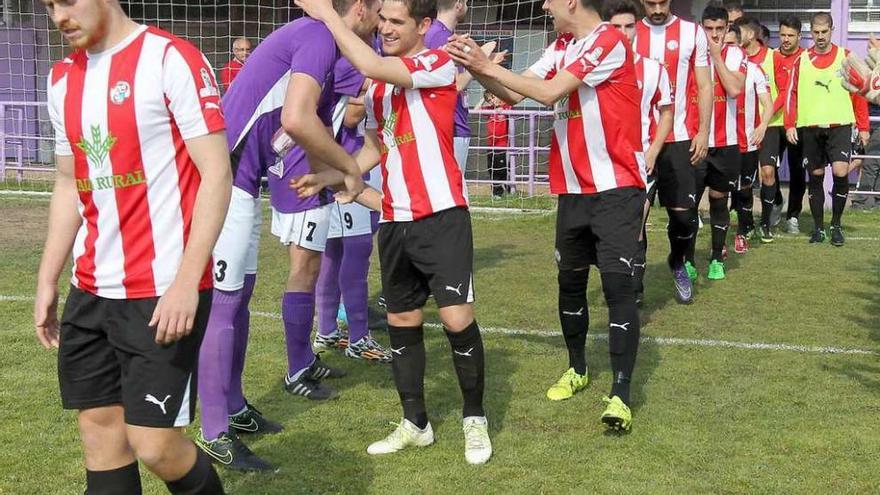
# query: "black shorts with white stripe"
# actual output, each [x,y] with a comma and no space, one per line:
[108,356]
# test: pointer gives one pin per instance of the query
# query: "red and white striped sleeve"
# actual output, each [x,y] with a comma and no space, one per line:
[55,105]
[607,54]
[432,69]
[191,91]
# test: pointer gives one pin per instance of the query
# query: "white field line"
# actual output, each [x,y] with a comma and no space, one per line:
[789,237]
[663,341]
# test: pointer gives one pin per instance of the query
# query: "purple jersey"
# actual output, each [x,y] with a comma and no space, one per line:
[437,36]
[252,107]
[348,82]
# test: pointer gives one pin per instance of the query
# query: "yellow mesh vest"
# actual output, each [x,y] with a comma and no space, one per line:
[769,67]
[822,101]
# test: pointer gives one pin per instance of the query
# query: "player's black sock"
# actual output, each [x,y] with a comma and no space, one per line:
[746,221]
[623,331]
[408,367]
[640,263]
[767,195]
[468,357]
[574,316]
[691,248]
[839,193]
[682,230]
[817,200]
[120,481]
[719,216]
[202,479]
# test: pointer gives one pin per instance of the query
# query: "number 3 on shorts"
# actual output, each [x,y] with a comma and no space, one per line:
[220,271]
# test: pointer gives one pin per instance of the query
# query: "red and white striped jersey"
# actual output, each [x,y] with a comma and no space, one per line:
[748,108]
[596,142]
[722,131]
[124,114]
[654,84]
[420,176]
[680,46]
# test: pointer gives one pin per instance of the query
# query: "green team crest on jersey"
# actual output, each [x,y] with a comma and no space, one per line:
[98,149]
[390,124]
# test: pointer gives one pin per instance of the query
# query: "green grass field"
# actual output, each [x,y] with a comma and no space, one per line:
[769,383]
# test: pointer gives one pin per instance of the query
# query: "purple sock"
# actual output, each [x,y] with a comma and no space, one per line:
[215,363]
[327,288]
[235,396]
[298,312]
[353,280]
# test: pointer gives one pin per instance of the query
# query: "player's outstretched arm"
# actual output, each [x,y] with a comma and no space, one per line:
[64,222]
[466,52]
[175,312]
[362,56]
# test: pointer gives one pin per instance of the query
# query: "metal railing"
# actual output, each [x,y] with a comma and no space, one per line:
[22,143]
[530,149]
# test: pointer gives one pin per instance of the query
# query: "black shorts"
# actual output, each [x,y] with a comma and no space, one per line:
[825,145]
[108,356]
[748,173]
[599,229]
[434,255]
[770,153]
[676,183]
[720,170]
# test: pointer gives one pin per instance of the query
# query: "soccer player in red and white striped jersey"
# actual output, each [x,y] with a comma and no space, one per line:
[754,111]
[657,117]
[720,170]
[596,164]
[425,239]
[681,47]
[142,187]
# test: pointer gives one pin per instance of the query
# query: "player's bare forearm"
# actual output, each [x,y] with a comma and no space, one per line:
[462,80]
[365,59]
[732,82]
[546,92]
[494,87]
[211,156]
[664,125]
[370,198]
[310,133]
[354,113]
[64,222]
[704,101]
[767,109]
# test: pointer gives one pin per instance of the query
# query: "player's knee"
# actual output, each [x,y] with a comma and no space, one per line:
[457,318]
[102,432]
[768,176]
[160,449]
[618,289]
[573,283]
[682,223]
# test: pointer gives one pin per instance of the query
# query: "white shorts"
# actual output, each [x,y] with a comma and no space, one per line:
[306,229]
[235,253]
[349,220]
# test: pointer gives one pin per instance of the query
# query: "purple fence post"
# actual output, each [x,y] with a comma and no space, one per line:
[3,143]
[531,155]
[510,162]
